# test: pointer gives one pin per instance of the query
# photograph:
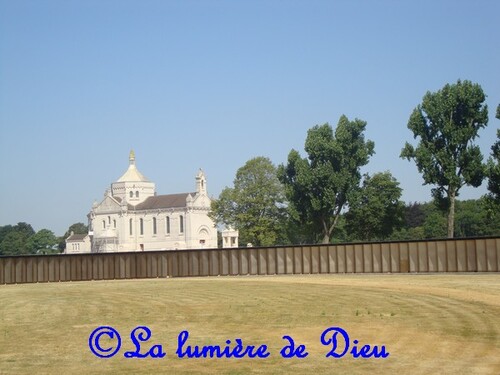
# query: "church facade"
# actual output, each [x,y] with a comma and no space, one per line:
[132,217]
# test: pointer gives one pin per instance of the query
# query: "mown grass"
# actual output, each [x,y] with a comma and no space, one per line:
[447,324]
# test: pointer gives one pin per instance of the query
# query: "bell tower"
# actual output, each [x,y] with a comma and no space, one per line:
[201,183]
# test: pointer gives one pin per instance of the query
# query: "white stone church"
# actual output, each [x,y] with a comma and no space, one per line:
[131,217]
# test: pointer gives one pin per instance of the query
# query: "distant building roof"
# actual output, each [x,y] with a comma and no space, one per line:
[164,201]
[76,237]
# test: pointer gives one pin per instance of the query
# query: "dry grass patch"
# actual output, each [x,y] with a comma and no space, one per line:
[447,324]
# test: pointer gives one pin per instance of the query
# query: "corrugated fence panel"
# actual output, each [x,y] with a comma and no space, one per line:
[497,245]
[280,261]
[461,255]
[2,270]
[432,256]
[358,258]
[76,267]
[297,260]
[271,261]
[404,263]
[386,257]
[194,264]
[482,265]
[245,261]
[442,257]
[306,259]
[289,266]
[471,255]
[213,263]
[394,251]
[377,257]
[20,270]
[204,265]
[332,259]
[253,261]
[234,264]
[491,255]
[423,257]
[350,259]
[341,259]
[7,270]
[451,256]
[324,259]
[368,257]
[262,261]
[413,256]
[315,260]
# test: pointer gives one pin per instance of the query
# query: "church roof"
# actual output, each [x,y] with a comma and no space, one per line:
[164,201]
[132,174]
[76,237]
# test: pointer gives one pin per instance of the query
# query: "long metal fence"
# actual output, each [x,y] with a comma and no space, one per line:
[450,255]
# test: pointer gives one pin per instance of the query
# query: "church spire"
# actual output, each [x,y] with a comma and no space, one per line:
[132,174]
[131,157]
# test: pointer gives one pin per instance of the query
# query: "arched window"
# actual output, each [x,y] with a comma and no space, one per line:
[181,224]
[154,225]
[141,226]
[109,220]
[130,225]
[167,225]
[137,194]
[114,223]
[131,194]
[104,224]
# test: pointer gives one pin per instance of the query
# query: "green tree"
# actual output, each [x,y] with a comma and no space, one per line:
[414,215]
[24,228]
[76,228]
[447,123]
[14,239]
[255,206]
[375,210]
[42,242]
[493,170]
[14,243]
[491,200]
[435,224]
[5,230]
[473,219]
[319,187]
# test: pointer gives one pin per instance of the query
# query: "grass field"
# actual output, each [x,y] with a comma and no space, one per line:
[430,324]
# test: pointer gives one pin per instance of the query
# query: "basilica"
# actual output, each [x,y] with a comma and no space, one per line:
[132,217]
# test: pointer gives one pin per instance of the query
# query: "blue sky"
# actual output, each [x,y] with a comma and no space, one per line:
[211,84]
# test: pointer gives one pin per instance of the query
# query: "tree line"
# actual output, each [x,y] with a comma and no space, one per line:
[324,198]
[21,239]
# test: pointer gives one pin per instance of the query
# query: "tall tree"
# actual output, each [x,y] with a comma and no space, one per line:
[255,205]
[318,187]
[447,123]
[42,242]
[14,239]
[375,210]
[493,168]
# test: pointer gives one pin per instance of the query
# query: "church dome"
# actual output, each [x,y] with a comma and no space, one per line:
[132,174]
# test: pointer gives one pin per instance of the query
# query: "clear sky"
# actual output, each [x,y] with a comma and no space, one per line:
[211,84]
